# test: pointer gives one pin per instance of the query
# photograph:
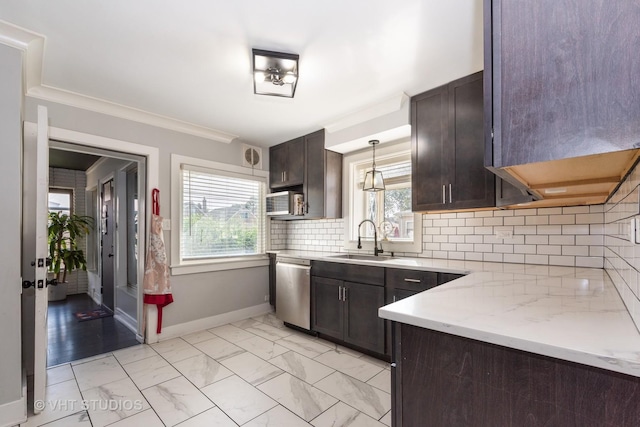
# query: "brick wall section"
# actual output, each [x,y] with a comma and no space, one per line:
[77,181]
[621,255]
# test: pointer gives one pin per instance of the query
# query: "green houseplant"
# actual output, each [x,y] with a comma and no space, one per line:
[64,232]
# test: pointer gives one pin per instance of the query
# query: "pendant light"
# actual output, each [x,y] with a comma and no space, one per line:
[373,180]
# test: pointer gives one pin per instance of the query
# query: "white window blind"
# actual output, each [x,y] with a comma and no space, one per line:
[222,214]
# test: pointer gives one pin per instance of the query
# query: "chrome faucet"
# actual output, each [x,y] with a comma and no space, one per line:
[376,251]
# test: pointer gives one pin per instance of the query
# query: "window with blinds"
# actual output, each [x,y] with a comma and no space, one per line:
[222,214]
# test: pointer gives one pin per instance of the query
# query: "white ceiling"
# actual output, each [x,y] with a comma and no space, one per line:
[190,60]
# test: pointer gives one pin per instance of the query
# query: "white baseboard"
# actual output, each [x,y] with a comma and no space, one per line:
[182,329]
[13,413]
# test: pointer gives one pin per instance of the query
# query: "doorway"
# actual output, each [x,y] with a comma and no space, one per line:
[105,187]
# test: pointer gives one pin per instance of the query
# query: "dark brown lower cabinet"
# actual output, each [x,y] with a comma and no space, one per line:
[401,284]
[348,312]
[445,380]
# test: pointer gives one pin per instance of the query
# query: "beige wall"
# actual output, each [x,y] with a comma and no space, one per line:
[10,226]
[196,296]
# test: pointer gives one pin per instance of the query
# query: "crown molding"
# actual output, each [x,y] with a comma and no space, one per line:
[33,46]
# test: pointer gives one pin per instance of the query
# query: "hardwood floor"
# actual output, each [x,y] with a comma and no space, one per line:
[71,340]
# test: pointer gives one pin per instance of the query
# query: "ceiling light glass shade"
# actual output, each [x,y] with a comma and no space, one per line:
[373,181]
[275,73]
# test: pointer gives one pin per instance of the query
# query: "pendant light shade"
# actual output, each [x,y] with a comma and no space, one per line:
[373,180]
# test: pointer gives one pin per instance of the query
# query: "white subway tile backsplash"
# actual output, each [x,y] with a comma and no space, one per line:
[576,210]
[591,218]
[575,250]
[551,229]
[589,240]
[514,258]
[595,262]
[483,230]
[473,222]
[562,240]
[575,229]
[536,240]
[482,247]
[537,220]
[492,257]
[492,221]
[473,256]
[549,250]
[536,259]
[549,211]
[456,239]
[505,249]
[524,249]
[515,220]
[562,219]
[568,261]
[525,212]
[465,230]
[550,236]
[525,229]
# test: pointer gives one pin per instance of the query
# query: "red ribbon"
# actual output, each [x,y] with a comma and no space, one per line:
[160,301]
[155,201]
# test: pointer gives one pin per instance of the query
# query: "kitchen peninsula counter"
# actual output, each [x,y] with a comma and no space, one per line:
[572,314]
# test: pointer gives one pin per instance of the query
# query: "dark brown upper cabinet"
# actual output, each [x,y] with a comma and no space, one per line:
[304,166]
[447,139]
[286,164]
[562,80]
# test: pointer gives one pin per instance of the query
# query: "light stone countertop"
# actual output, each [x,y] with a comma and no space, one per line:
[574,314]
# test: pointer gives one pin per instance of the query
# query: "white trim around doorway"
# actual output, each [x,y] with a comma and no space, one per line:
[147,315]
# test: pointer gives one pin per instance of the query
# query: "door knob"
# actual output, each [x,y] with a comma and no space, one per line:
[110,255]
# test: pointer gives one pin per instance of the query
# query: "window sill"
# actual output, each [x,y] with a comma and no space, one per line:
[194,267]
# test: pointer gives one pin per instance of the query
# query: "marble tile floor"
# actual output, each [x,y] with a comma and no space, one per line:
[254,372]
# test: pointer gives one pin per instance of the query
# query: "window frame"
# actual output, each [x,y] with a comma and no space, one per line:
[62,190]
[351,162]
[180,266]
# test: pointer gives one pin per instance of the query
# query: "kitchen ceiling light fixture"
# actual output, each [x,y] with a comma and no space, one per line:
[373,180]
[275,73]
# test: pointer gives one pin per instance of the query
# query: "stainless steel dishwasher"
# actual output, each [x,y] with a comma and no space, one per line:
[293,291]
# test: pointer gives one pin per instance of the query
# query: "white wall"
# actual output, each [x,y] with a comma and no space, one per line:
[10,228]
[196,296]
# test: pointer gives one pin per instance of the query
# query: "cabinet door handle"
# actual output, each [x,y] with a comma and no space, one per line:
[394,298]
[285,175]
[344,293]
[449,193]
[443,195]
[412,280]
[339,293]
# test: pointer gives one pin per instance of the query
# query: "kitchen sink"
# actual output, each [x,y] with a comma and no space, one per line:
[363,257]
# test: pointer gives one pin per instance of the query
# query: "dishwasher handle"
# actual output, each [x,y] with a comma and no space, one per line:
[287,265]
